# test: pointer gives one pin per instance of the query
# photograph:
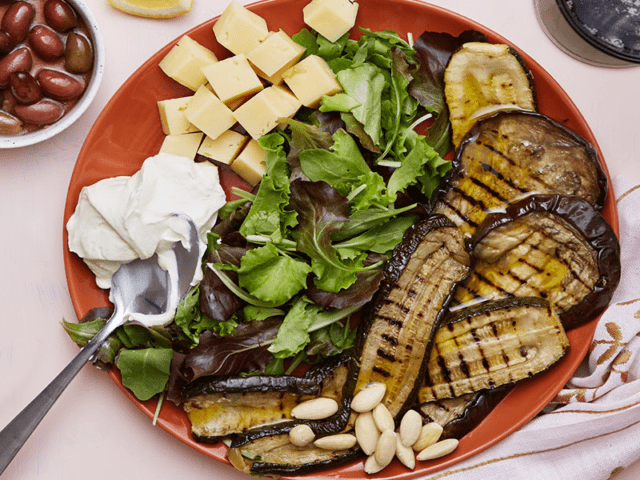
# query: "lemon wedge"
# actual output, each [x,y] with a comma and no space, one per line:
[153,8]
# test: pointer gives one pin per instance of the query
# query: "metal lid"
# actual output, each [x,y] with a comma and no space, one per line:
[612,26]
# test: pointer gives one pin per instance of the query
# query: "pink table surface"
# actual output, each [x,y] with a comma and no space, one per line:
[94,431]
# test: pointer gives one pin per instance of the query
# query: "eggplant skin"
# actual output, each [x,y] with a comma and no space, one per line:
[513,154]
[459,415]
[399,326]
[596,232]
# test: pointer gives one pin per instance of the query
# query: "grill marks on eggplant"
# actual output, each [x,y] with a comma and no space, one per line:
[399,327]
[545,260]
[512,154]
[550,246]
[493,344]
[217,415]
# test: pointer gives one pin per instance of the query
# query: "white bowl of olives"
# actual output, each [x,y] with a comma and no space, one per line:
[51,65]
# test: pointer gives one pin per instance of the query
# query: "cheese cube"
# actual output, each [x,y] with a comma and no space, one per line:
[251,163]
[185,61]
[225,148]
[310,79]
[232,78]
[330,18]
[208,113]
[185,145]
[259,115]
[172,116]
[275,55]
[240,30]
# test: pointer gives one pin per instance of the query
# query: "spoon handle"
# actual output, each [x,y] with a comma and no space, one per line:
[16,433]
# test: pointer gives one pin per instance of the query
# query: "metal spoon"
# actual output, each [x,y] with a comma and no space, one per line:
[139,287]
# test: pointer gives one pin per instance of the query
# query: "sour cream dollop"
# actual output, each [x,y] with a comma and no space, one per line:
[120,219]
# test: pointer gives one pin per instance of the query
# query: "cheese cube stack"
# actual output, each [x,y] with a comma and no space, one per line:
[240,30]
[330,18]
[185,61]
[231,90]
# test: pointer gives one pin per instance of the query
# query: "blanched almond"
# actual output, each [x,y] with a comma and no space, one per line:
[301,435]
[371,466]
[382,417]
[366,432]
[342,441]
[405,454]
[368,397]
[316,409]
[410,428]
[437,450]
[429,434]
[386,448]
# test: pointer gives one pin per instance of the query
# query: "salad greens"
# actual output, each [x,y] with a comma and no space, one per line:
[288,264]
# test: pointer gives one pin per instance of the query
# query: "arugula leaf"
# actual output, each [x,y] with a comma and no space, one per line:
[362,220]
[363,83]
[339,167]
[272,277]
[145,371]
[293,335]
[381,238]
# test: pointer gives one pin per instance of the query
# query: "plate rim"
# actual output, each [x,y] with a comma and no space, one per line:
[148,407]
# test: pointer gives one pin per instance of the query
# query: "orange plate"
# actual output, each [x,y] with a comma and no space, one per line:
[128,131]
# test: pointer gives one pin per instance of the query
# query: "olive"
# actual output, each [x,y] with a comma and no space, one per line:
[20,60]
[17,20]
[25,88]
[78,55]
[6,43]
[44,112]
[59,15]
[59,85]
[45,43]
[9,125]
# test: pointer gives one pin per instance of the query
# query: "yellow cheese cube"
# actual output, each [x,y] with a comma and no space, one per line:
[208,113]
[274,56]
[250,164]
[240,30]
[185,61]
[330,18]
[232,78]
[225,148]
[310,79]
[259,115]
[172,116]
[185,145]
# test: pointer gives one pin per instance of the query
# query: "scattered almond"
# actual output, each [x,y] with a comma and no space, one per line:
[405,454]
[438,449]
[410,428]
[383,418]
[429,434]
[316,409]
[342,441]
[386,448]
[366,432]
[368,397]
[301,435]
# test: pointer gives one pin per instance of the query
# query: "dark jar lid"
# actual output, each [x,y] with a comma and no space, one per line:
[612,26]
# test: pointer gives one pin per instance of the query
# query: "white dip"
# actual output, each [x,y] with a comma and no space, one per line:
[120,219]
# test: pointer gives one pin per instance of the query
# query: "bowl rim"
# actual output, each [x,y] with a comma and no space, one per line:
[15,141]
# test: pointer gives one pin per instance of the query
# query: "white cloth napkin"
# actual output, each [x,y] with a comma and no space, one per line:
[591,431]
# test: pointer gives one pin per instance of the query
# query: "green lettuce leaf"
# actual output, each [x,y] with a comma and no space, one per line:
[145,371]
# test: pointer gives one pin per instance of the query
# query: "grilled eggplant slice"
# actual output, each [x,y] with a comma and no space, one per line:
[493,344]
[514,154]
[221,406]
[550,246]
[459,415]
[483,76]
[405,314]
